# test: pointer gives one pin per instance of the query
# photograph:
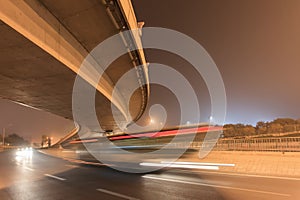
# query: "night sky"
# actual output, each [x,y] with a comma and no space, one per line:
[255,44]
[31,123]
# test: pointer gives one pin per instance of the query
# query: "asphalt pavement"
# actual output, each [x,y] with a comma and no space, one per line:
[36,176]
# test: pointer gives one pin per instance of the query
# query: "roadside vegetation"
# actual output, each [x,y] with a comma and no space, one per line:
[14,140]
[280,127]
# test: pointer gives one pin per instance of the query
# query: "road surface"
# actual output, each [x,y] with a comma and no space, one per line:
[38,176]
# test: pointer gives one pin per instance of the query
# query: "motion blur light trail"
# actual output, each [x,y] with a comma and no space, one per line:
[180,166]
[199,163]
[168,133]
[187,165]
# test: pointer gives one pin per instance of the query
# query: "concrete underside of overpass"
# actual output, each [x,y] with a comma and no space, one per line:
[32,76]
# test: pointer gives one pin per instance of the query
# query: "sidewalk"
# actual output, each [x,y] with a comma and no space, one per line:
[258,163]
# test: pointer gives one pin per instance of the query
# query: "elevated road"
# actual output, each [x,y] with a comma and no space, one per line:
[39,176]
[44,43]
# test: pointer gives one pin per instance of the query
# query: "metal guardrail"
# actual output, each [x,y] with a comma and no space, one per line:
[2,148]
[272,144]
[279,144]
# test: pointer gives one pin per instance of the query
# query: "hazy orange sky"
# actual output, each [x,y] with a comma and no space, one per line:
[30,123]
[255,44]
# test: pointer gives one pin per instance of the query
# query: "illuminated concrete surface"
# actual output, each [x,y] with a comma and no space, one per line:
[248,163]
[43,45]
[38,176]
[257,163]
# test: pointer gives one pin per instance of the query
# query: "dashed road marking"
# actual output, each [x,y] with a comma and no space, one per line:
[28,168]
[116,194]
[72,166]
[55,177]
[215,186]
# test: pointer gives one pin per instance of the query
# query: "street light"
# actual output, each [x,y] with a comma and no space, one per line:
[211,119]
[3,135]
[152,121]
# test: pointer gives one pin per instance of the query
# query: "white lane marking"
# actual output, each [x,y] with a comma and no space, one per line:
[215,186]
[28,168]
[200,163]
[179,166]
[116,194]
[55,177]
[72,166]
[248,175]
[86,162]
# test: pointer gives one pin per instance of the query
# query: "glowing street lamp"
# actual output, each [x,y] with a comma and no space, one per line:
[211,119]
[152,121]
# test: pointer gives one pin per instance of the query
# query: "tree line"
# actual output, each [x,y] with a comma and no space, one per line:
[14,140]
[279,125]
